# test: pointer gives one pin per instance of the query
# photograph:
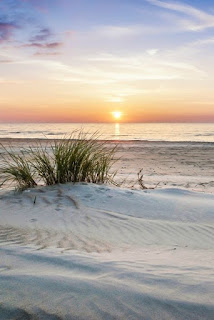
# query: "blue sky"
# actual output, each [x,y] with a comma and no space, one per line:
[151,59]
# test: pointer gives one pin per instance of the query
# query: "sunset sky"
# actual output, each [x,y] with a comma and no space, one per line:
[81,60]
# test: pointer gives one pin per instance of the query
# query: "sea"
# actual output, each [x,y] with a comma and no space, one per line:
[192,132]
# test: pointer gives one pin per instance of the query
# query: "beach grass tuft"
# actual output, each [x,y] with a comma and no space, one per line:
[17,169]
[72,159]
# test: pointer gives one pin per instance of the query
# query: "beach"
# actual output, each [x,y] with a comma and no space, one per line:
[106,160]
[90,251]
[187,165]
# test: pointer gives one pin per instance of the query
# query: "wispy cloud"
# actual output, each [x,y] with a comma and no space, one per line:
[116,78]
[48,45]
[152,52]
[31,32]
[46,53]
[202,42]
[45,40]
[149,66]
[199,19]
[42,35]
[6,30]
[126,31]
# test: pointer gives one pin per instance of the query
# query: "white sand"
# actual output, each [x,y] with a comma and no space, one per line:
[98,252]
[173,164]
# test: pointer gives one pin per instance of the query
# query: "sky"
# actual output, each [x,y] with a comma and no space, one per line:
[81,60]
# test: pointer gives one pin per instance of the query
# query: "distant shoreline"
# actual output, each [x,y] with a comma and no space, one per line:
[118,141]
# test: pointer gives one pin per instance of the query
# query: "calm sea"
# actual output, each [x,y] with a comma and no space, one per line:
[201,132]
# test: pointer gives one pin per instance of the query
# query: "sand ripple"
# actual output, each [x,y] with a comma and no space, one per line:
[95,252]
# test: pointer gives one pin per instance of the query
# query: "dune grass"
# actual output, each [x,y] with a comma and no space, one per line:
[78,159]
[17,169]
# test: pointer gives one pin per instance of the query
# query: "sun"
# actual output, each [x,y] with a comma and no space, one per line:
[117,115]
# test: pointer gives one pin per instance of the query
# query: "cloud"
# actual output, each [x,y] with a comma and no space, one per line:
[152,52]
[148,65]
[115,31]
[43,35]
[48,45]
[201,20]
[109,70]
[202,42]
[53,53]
[31,32]
[6,30]
[43,39]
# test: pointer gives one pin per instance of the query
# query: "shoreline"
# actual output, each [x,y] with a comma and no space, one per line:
[119,141]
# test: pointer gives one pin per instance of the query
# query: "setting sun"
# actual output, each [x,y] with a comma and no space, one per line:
[117,115]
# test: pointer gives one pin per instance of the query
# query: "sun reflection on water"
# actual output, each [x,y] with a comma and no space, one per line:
[117,129]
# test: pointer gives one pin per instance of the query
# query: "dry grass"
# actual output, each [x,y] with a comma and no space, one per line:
[141,182]
[68,160]
[17,169]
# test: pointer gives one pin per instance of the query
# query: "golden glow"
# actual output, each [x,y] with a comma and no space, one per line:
[117,115]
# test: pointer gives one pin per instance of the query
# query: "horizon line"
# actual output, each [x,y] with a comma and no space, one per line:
[102,122]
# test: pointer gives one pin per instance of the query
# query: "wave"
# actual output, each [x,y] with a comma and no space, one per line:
[205,134]
[152,132]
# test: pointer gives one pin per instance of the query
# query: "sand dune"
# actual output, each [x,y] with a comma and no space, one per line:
[73,286]
[98,252]
[98,218]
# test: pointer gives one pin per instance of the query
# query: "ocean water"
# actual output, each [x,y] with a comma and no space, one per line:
[197,132]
